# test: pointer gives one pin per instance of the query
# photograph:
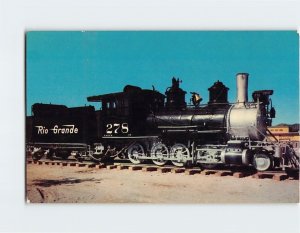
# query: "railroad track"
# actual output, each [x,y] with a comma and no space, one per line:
[121,165]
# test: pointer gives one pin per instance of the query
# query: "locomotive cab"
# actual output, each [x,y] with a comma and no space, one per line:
[124,113]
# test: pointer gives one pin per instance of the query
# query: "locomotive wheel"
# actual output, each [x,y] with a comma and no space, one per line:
[180,153]
[51,154]
[262,162]
[78,157]
[159,152]
[37,155]
[95,157]
[134,152]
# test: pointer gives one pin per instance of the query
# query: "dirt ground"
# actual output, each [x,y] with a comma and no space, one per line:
[54,184]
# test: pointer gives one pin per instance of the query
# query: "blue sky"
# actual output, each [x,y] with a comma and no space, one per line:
[66,67]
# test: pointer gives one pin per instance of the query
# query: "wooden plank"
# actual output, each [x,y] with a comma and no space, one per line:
[72,164]
[223,173]
[164,169]
[280,177]
[178,170]
[260,175]
[149,169]
[238,174]
[192,172]
[80,165]
[99,166]
[257,176]
[135,168]
[208,172]
[110,167]
[122,167]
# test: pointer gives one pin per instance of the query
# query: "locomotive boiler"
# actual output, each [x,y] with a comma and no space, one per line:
[217,132]
[142,125]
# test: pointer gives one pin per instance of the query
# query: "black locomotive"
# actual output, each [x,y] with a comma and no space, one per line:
[139,125]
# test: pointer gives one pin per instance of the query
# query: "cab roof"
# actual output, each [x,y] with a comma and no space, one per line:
[127,91]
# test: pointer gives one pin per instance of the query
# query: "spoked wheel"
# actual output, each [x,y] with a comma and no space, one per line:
[95,156]
[262,162]
[78,157]
[96,153]
[180,154]
[122,155]
[51,154]
[159,152]
[37,154]
[134,152]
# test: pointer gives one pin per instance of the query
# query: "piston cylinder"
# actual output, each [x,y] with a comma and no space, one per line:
[236,156]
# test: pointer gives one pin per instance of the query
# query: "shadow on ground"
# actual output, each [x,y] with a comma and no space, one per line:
[71,181]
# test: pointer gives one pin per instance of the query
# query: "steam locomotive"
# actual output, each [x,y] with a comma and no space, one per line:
[142,125]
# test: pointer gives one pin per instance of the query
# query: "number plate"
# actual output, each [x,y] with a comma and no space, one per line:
[113,129]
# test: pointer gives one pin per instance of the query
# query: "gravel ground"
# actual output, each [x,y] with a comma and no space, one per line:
[54,184]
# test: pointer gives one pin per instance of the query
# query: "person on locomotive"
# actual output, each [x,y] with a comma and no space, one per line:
[196,99]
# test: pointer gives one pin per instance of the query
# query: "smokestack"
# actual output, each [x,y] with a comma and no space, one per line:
[242,87]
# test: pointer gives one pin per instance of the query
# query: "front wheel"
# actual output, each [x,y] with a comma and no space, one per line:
[262,162]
